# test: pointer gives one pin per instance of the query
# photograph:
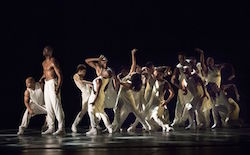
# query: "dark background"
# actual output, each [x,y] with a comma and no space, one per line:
[78,30]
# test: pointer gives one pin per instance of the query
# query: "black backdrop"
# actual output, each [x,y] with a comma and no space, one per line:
[78,30]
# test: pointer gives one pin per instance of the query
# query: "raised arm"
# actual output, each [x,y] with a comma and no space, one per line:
[58,72]
[92,62]
[202,60]
[133,66]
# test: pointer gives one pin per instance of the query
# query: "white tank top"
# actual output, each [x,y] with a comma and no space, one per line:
[36,96]
[85,89]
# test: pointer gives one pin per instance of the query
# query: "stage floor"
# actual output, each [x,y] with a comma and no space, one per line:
[180,141]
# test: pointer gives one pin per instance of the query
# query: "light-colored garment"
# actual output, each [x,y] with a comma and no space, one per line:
[36,104]
[85,93]
[96,108]
[53,105]
[154,108]
[125,104]
[181,98]
[214,76]
[110,95]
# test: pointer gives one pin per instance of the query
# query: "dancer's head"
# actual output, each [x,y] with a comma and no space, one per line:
[210,62]
[161,72]
[181,57]
[30,82]
[47,51]
[138,69]
[81,70]
[150,67]
[103,61]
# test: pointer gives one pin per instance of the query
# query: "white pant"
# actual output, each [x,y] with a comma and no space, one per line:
[53,105]
[80,115]
[125,104]
[95,115]
[37,110]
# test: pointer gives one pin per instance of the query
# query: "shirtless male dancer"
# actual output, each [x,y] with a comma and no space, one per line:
[53,81]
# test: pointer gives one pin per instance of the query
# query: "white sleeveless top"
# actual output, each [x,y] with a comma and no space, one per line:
[36,96]
[85,89]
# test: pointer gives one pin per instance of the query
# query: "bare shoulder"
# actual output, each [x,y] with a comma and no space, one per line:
[26,93]
[76,76]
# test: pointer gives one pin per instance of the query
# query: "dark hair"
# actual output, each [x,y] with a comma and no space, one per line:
[149,64]
[49,48]
[182,53]
[164,70]
[30,78]
[136,81]
[81,67]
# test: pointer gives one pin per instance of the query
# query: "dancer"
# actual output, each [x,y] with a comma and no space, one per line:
[213,71]
[96,103]
[197,89]
[53,81]
[125,102]
[33,100]
[177,79]
[225,107]
[157,103]
[85,87]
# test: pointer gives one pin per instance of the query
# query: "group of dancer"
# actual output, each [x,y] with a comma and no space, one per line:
[144,91]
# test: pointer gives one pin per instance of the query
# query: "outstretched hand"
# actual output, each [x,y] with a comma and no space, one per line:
[134,51]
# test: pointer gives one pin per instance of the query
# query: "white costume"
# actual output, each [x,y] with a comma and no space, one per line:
[155,110]
[181,98]
[125,104]
[194,105]
[85,91]
[207,103]
[96,108]
[110,95]
[227,108]
[36,104]
[53,106]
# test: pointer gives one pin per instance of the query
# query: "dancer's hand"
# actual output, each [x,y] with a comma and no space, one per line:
[30,112]
[133,51]
[163,103]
